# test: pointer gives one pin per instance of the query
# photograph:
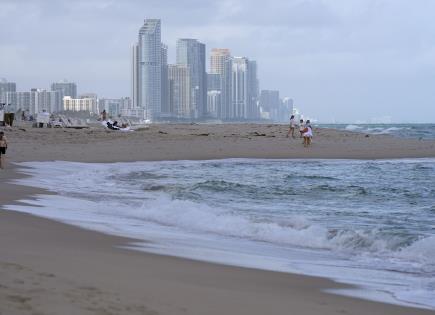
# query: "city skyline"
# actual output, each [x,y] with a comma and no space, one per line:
[165,92]
[340,61]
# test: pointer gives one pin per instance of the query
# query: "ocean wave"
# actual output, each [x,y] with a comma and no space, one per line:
[422,250]
[222,185]
[353,127]
[294,231]
[407,131]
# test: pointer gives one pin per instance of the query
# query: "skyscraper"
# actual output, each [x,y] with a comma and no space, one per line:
[191,52]
[65,88]
[239,88]
[214,94]
[221,63]
[218,58]
[41,99]
[18,100]
[213,102]
[135,75]
[253,88]
[269,103]
[164,79]
[150,68]
[179,91]
[6,87]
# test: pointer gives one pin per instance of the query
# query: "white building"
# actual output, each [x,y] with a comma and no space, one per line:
[239,88]
[149,62]
[34,101]
[80,104]
[214,99]
[244,89]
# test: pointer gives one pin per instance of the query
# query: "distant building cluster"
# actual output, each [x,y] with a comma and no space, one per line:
[184,91]
[62,96]
[230,91]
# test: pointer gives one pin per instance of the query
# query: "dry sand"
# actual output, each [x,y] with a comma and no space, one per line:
[51,268]
[170,142]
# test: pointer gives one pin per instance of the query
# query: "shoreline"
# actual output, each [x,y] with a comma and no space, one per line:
[303,293]
[94,272]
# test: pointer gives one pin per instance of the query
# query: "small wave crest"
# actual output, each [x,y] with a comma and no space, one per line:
[353,127]
[293,231]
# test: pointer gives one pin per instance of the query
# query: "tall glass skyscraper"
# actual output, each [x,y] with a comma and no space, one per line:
[66,88]
[221,63]
[6,87]
[239,88]
[135,75]
[191,52]
[150,68]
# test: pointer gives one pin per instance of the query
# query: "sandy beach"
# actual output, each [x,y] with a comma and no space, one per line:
[47,267]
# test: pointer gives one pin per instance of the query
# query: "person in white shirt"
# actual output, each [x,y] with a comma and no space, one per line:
[301,127]
[307,134]
[292,126]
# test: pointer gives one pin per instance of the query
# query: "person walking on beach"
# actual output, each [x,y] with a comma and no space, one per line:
[307,134]
[3,147]
[104,115]
[301,128]
[292,127]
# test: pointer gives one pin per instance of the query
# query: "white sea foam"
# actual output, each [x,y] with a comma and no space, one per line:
[353,127]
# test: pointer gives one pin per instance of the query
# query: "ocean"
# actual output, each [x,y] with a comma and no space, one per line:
[362,222]
[416,131]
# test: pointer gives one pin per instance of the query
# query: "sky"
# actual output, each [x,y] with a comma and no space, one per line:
[340,60]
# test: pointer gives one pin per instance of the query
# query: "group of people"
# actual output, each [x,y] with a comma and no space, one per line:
[112,125]
[305,130]
[3,147]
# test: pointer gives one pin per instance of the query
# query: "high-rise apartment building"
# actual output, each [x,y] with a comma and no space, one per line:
[65,88]
[179,91]
[18,101]
[244,89]
[239,88]
[214,94]
[221,63]
[214,98]
[35,101]
[214,82]
[114,106]
[6,87]
[41,99]
[164,79]
[218,58]
[150,68]
[191,52]
[269,104]
[135,75]
[88,104]
[254,91]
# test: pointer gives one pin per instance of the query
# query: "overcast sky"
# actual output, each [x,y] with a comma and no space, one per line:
[340,60]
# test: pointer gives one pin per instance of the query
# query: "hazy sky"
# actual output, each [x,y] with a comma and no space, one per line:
[343,60]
